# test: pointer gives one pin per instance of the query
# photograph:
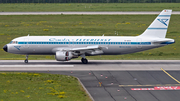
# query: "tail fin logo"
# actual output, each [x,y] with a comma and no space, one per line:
[163,21]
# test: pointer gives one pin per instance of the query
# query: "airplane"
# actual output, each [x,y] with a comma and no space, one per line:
[66,48]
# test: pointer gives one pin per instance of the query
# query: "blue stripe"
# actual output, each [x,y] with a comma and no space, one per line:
[167,42]
[164,16]
[96,43]
[158,28]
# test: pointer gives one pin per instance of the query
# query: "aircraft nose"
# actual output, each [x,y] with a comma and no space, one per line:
[5,48]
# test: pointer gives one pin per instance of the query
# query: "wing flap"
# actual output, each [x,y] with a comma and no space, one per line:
[85,48]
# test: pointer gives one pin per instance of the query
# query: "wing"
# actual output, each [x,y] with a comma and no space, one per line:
[88,50]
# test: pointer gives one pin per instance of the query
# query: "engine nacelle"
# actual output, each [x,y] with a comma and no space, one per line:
[63,55]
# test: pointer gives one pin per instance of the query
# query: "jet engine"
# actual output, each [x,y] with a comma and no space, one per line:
[63,55]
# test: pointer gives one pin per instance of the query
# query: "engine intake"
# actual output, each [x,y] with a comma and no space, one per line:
[63,55]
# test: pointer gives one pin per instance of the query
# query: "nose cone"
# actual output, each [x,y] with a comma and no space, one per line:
[5,48]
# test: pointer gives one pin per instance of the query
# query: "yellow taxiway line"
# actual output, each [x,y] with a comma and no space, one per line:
[170,75]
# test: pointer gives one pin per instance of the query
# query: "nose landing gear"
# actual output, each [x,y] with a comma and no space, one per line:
[26,61]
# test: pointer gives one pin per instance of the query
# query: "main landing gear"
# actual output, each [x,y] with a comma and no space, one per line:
[26,61]
[84,60]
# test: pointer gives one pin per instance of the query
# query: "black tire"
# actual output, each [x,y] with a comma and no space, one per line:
[26,61]
[84,61]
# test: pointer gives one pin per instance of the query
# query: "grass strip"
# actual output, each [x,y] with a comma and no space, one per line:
[17,86]
[37,7]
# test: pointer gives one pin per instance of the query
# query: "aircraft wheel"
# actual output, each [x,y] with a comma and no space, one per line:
[84,61]
[26,61]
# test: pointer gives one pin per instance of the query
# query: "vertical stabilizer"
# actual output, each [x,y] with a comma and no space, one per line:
[159,26]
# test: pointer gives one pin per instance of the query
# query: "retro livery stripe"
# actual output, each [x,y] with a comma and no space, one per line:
[102,43]
[158,28]
[164,16]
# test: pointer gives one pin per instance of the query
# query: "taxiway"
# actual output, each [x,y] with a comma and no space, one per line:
[113,80]
[93,65]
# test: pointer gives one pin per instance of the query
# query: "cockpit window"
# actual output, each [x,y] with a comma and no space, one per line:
[13,42]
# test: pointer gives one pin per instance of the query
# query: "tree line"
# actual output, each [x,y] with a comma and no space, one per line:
[89,1]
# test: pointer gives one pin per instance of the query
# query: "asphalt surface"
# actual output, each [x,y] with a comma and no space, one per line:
[83,13]
[113,84]
[111,91]
[93,65]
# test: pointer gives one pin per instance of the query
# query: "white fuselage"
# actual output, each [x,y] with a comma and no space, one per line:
[112,45]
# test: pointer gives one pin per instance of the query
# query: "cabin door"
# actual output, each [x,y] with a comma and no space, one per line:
[26,45]
[139,40]
[71,43]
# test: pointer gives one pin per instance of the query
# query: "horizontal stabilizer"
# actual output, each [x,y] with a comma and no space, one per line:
[163,41]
